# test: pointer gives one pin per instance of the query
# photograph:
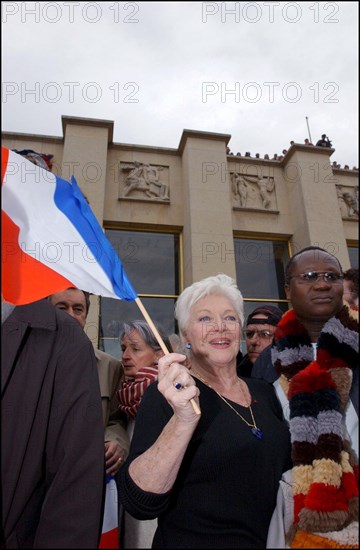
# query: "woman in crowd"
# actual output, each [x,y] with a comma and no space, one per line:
[140,354]
[210,478]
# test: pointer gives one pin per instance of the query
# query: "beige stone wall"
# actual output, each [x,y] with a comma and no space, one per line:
[85,150]
[302,198]
[254,219]
[313,203]
[347,189]
[41,144]
[137,208]
[207,221]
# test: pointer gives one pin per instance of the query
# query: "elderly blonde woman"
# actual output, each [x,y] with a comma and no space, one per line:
[210,478]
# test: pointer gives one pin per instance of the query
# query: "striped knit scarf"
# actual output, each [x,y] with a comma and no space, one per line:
[325,469]
[132,390]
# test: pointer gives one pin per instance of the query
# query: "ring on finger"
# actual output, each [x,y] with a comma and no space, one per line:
[178,386]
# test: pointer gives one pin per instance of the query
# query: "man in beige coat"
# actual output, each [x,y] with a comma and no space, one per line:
[76,303]
[111,375]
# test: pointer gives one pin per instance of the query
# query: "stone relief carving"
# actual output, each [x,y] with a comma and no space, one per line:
[240,188]
[253,191]
[141,180]
[348,201]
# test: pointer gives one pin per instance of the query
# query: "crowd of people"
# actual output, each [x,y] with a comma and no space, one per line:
[206,448]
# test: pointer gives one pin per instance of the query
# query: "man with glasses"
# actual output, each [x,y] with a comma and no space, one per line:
[260,328]
[313,363]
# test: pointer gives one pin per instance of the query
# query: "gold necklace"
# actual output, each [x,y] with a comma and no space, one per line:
[257,432]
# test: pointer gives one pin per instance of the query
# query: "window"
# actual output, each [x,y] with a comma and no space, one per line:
[151,261]
[260,268]
[354,256]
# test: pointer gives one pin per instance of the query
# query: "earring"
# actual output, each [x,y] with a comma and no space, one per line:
[188,345]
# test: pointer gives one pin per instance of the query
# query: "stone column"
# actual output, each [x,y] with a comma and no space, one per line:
[314,207]
[208,235]
[85,157]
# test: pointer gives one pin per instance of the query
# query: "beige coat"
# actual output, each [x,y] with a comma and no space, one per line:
[111,374]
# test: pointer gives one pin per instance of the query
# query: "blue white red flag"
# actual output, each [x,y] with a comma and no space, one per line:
[110,528]
[51,239]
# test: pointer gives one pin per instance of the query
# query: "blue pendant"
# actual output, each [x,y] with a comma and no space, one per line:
[257,433]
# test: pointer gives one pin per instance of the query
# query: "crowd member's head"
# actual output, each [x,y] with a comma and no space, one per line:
[139,346]
[73,301]
[351,287]
[260,328]
[210,314]
[314,286]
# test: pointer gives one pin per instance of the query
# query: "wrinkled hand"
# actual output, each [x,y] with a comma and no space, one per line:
[173,374]
[114,457]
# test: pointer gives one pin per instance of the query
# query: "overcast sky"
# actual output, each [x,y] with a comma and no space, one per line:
[254,70]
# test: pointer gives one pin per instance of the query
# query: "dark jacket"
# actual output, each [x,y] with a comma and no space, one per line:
[52,435]
[244,367]
[263,367]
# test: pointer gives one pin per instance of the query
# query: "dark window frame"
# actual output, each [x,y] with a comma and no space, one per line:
[153,302]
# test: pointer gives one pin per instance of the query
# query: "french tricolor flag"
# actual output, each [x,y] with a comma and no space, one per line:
[110,528]
[51,240]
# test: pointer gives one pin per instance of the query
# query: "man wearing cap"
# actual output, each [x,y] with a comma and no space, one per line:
[260,328]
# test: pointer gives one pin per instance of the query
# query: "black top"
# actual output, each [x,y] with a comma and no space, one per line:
[226,488]
[323,142]
[263,367]
[244,367]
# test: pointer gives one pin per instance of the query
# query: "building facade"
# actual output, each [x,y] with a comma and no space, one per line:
[178,215]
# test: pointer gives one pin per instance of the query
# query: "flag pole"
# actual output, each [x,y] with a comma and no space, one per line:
[160,340]
[307,122]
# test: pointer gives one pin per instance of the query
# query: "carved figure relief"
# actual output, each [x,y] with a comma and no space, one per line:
[348,201]
[142,180]
[253,191]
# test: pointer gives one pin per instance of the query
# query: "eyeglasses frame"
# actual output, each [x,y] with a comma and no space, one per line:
[322,274]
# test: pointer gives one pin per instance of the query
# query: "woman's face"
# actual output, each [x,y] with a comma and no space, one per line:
[214,330]
[136,353]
